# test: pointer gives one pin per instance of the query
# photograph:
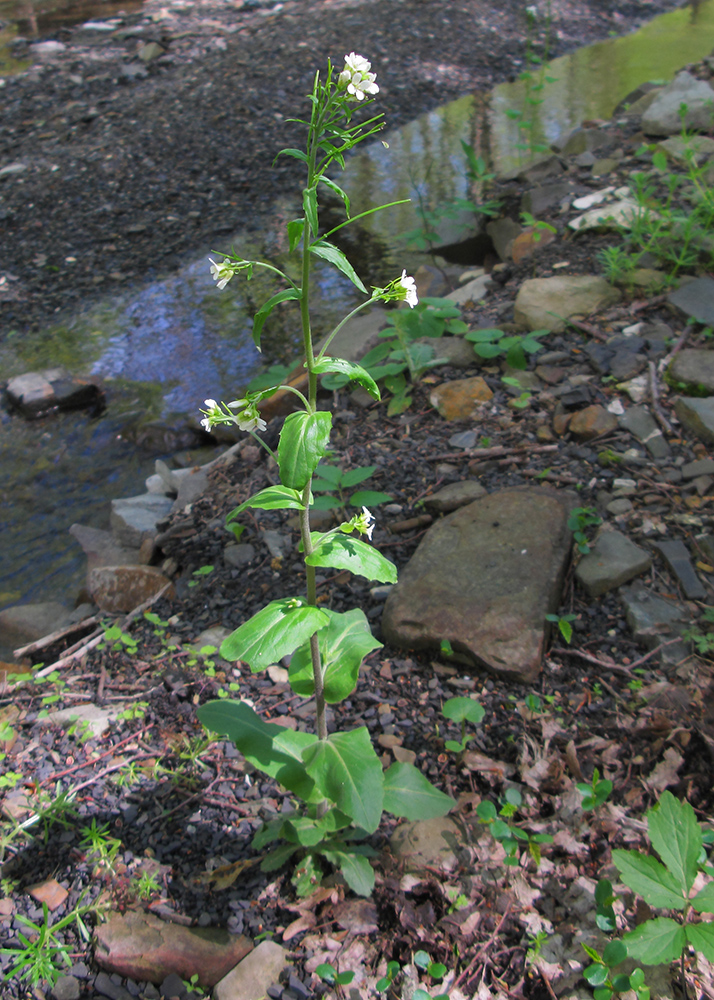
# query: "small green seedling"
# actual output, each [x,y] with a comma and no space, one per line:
[329,974]
[596,793]
[494,343]
[115,639]
[198,573]
[599,973]
[563,623]
[462,710]
[580,519]
[508,834]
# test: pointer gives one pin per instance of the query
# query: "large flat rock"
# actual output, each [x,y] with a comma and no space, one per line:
[547,303]
[484,578]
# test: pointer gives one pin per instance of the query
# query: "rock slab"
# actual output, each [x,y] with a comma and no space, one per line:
[484,578]
[250,979]
[612,561]
[139,946]
[546,303]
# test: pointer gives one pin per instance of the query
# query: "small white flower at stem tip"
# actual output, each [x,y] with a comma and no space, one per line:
[409,286]
[367,523]
[356,78]
[221,273]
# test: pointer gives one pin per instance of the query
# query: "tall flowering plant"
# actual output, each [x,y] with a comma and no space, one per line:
[337,777]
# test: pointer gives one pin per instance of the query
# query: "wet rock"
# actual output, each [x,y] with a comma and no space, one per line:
[101,548]
[613,560]
[484,578]
[679,149]
[140,946]
[453,496]
[134,519]
[676,555]
[24,623]
[541,170]
[428,844]
[693,367]
[540,200]
[642,425]
[460,399]
[581,140]
[250,979]
[662,117]
[697,415]
[123,588]
[35,394]
[546,303]
[592,422]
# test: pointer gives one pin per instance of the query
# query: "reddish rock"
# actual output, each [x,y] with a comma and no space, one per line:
[139,946]
[123,588]
[592,422]
[460,399]
[529,241]
[49,892]
[484,579]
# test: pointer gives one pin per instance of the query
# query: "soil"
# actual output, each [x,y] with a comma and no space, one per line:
[132,166]
[181,808]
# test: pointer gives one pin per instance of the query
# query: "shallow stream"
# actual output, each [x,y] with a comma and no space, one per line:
[66,468]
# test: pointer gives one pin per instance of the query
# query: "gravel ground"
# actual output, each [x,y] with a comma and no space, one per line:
[128,167]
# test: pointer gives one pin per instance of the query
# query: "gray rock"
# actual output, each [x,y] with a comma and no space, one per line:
[612,561]
[654,621]
[134,519]
[503,232]
[694,367]
[359,335]
[278,543]
[192,485]
[472,291]
[620,506]
[581,140]
[238,555]
[662,116]
[546,303]
[250,979]
[454,495]
[12,169]
[24,623]
[642,425]
[454,351]
[464,439]
[106,987]
[679,149]
[97,719]
[152,50]
[101,549]
[66,988]
[541,170]
[676,555]
[484,578]
[541,199]
[697,415]
[37,393]
[702,467]
[123,588]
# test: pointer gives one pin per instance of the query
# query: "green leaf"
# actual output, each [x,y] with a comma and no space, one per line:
[309,205]
[256,740]
[369,498]
[303,442]
[287,295]
[656,941]
[649,878]
[486,811]
[463,710]
[356,476]
[277,858]
[298,154]
[408,793]
[344,552]
[356,373]
[336,189]
[614,953]
[275,631]
[344,643]
[332,473]
[295,229]
[272,498]
[356,870]
[701,937]
[347,771]
[596,975]
[677,838]
[329,252]
[703,902]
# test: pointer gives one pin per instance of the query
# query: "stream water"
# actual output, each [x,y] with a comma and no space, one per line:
[66,468]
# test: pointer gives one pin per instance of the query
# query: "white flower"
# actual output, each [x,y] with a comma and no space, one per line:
[364,523]
[356,78]
[410,290]
[221,273]
[206,423]
[210,404]
[251,422]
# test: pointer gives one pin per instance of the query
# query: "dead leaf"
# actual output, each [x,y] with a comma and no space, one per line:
[305,922]
[224,877]
[565,840]
[498,769]
[665,773]
[357,915]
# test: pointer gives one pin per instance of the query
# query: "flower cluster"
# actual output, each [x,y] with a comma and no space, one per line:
[402,289]
[248,419]
[362,523]
[356,78]
[224,271]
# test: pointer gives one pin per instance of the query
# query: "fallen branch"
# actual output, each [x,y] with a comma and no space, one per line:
[498,451]
[654,399]
[48,640]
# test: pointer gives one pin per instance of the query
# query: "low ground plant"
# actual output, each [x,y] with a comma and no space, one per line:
[336,777]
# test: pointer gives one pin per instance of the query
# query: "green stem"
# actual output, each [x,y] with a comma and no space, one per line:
[339,326]
[370,211]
